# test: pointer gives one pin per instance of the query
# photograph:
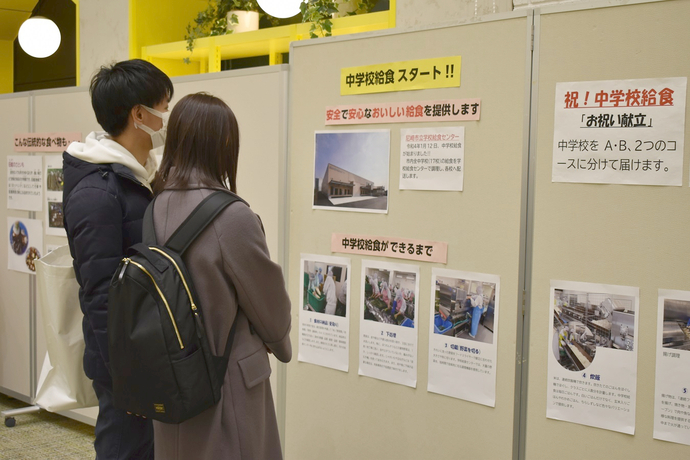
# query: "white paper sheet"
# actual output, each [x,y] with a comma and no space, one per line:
[324,315]
[388,330]
[620,131]
[460,365]
[53,194]
[592,370]
[672,389]
[24,238]
[25,182]
[432,158]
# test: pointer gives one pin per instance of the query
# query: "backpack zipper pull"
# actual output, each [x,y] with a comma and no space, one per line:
[124,267]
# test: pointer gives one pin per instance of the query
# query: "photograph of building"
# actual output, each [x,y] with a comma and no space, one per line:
[342,160]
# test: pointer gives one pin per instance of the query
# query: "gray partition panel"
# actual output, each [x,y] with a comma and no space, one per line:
[14,286]
[258,98]
[612,234]
[332,414]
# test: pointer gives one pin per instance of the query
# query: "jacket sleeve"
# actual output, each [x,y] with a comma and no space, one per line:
[95,222]
[257,279]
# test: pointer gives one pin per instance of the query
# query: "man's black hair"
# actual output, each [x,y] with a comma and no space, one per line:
[115,90]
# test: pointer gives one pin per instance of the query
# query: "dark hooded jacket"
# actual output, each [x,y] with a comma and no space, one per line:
[104,205]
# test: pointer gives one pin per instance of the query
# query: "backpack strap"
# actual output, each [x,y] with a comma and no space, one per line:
[148,235]
[222,362]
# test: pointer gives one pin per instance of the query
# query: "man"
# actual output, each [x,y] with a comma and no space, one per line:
[107,189]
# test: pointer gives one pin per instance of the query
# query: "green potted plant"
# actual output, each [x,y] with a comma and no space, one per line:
[222,17]
[320,13]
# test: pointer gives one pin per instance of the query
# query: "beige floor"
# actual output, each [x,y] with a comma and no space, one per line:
[44,435]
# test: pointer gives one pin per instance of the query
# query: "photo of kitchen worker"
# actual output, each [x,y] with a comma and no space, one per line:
[55,180]
[389,297]
[586,321]
[676,324]
[465,309]
[324,285]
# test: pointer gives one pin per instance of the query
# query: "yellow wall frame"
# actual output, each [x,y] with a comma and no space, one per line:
[7,58]
[151,38]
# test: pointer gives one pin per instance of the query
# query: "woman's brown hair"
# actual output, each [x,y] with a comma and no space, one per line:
[202,135]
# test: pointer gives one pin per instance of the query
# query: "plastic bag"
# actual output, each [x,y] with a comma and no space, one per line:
[62,383]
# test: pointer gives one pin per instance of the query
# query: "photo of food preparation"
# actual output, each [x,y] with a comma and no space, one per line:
[465,308]
[676,324]
[586,321]
[389,296]
[325,288]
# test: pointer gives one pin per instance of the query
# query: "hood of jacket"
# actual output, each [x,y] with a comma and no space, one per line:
[75,170]
[99,149]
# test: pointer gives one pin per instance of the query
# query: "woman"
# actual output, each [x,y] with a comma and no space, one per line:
[233,276]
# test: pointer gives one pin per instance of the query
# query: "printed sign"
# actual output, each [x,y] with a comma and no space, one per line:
[324,316]
[388,325]
[25,183]
[620,132]
[462,335]
[401,76]
[432,158]
[54,184]
[592,364]
[404,112]
[386,246]
[44,142]
[672,388]
[25,238]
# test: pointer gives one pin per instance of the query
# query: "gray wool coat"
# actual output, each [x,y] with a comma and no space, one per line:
[233,275]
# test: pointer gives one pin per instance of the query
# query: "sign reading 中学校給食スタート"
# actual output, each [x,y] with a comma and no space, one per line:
[25,182]
[404,112]
[441,72]
[432,158]
[620,132]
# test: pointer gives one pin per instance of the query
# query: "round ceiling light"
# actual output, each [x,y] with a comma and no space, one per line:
[280,8]
[39,37]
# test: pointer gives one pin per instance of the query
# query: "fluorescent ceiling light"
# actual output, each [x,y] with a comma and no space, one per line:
[39,37]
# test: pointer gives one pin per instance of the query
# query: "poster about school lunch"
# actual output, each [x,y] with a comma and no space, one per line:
[462,335]
[388,323]
[324,316]
[592,363]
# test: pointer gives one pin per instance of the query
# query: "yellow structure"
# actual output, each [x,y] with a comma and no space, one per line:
[162,42]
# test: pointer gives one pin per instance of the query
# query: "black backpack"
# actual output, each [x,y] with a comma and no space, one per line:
[160,361]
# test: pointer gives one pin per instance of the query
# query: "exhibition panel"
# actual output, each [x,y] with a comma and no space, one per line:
[401,183]
[610,230]
[15,373]
[258,98]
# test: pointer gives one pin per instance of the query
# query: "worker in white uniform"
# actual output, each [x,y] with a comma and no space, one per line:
[329,292]
[477,302]
[376,292]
